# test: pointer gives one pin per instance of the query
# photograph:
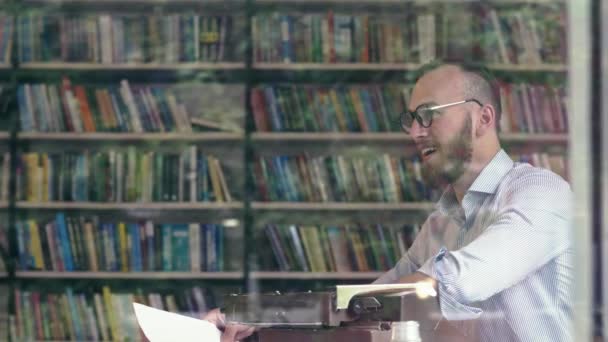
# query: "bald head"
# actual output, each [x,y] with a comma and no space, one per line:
[459,83]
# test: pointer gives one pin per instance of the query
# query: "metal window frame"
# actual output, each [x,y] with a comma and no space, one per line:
[580,159]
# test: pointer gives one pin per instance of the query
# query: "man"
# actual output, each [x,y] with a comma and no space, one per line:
[497,248]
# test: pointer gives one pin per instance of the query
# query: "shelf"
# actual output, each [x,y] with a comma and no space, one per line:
[339,136]
[133,2]
[392,136]
[130,205]
[396,2]
[99,136]
[334,66]
[528,67]
[561,138]
[305,206]
[128,275]
[316,275]
[131,66]
[3,204]
[3,275]
[400,66]
[5,135]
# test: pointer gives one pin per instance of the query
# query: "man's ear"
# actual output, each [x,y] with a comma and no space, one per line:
[486,120]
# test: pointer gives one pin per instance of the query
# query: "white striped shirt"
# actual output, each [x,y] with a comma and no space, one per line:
[504,256]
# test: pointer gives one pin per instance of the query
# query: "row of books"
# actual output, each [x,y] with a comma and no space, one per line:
[533,108]
[5,171]
[555,161]
[88,244]
[7,28]
[129,175]
[340,178]
[116,108]
[526,35]
[526,107]
[341,38]
[337,248]
[4,250]
[529,108]
[94,315]
[342,108]
[125,38]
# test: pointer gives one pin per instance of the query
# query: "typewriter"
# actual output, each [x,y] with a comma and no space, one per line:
[360,315]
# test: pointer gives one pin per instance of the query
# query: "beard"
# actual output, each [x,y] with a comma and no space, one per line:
[453,158]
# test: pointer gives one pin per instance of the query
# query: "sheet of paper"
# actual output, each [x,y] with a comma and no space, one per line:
[344,293]
[164,326]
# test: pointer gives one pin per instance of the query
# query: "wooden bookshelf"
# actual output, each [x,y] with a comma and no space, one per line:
[528,67]
[337,136]
[108,137]
[397,2]
[394,136]
[131,66]
[131,205]
[334,66]
[315,275]
[400,67]
[132,2]
[128,275]
[336,206]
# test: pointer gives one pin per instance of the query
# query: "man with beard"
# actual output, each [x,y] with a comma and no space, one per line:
[497,247]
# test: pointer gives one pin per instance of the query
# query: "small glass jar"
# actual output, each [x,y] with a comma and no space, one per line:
[408,331]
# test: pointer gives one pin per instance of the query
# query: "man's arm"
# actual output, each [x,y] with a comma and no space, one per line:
[530,229]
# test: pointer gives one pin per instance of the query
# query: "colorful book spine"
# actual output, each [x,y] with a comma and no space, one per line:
[133,175]
[119,247]
[122,38]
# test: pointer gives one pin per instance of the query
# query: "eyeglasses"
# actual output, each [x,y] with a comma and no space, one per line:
[424,114]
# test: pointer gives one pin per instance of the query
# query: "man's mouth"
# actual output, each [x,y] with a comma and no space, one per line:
[426,152]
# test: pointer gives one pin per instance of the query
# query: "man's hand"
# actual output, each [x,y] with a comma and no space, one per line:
[231,332]
[419,277]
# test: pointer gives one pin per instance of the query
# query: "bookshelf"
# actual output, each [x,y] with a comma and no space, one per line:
[130,66]
[130,275]
[127,206]
[239,147]
[114,137]
[315,275]
[372,206]
[388,137]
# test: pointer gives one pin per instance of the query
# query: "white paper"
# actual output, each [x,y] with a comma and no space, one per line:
[164,326]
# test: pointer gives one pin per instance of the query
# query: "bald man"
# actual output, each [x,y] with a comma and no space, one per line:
[497,246]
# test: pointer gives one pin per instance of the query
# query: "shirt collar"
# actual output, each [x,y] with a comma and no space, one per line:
[486,182]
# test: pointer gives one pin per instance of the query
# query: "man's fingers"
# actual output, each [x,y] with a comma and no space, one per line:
[229,334]
[244,331]
[216,317]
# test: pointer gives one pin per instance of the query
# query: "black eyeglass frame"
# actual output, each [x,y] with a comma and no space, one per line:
[415,116]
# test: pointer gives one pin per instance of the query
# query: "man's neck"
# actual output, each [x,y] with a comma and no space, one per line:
[478,163]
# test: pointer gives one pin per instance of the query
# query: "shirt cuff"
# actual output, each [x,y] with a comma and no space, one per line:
[438,269]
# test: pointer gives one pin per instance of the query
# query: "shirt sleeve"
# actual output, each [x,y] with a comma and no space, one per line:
[532,226]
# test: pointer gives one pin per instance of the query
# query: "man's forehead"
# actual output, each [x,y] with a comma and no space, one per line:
[441,85]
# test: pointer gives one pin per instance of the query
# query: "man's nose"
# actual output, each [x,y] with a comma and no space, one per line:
[417,130]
